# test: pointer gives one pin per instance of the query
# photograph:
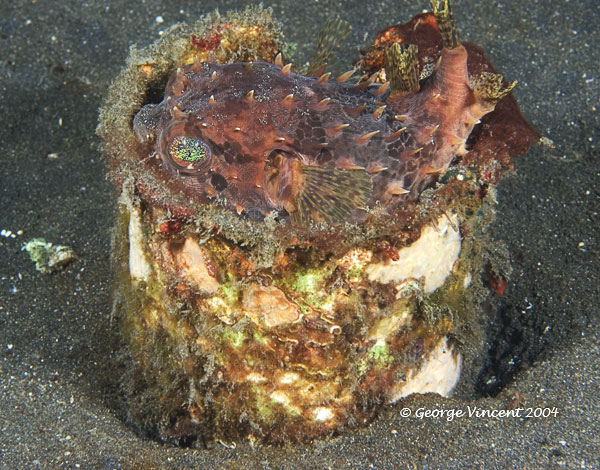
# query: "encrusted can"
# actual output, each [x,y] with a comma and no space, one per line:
[293,252]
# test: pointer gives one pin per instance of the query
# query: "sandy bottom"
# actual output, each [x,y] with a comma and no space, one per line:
[59,400]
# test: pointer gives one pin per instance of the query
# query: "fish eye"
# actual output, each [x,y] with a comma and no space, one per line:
[188,154]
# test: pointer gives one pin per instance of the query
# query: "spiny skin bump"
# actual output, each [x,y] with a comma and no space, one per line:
[265,128]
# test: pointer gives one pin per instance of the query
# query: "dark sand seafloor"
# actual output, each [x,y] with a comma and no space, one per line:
[59,401]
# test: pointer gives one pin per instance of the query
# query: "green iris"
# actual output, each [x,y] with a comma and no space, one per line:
[188,149]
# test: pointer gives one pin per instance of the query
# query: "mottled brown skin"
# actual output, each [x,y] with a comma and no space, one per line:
[264,148]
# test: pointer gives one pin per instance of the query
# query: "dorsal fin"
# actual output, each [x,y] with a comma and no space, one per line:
[332,34]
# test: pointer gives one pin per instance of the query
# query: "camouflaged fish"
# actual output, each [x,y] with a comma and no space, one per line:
[259,137]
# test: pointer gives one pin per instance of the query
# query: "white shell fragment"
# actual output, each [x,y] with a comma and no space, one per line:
[431,257]
[439,373]
[139,268]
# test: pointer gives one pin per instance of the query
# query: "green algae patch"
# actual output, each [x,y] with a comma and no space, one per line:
[380,353]
[234,338]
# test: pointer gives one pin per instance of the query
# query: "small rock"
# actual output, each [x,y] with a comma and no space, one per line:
[48,257]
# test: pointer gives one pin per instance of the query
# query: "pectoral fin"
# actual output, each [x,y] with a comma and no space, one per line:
[329,194]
